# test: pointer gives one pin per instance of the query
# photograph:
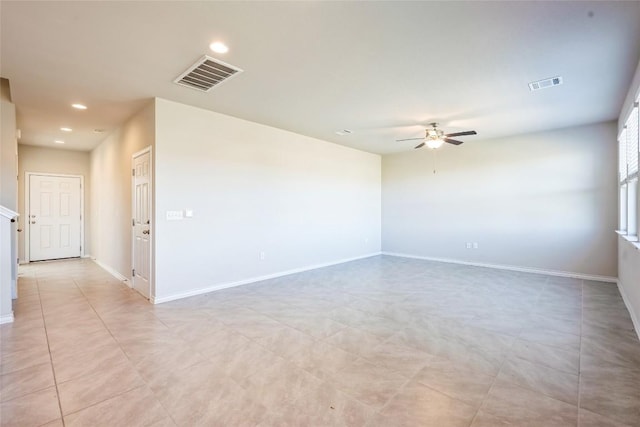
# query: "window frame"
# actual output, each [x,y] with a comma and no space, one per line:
[628,183]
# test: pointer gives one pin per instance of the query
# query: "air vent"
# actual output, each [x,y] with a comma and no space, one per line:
[545,83]
[207,73]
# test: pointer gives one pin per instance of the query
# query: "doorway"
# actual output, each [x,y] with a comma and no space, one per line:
[54,224]
[141,235]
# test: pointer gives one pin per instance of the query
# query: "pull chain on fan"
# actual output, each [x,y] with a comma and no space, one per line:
[435,161]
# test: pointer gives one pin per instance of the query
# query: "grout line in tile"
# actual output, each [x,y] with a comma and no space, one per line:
[401,388]
[489,390]
[118,343]
[53,369]
[146,384]
[102,401]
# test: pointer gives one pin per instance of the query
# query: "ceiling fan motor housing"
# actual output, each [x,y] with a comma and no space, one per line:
[434,133]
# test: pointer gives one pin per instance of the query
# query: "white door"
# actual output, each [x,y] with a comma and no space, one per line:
[142,223]
[54,217]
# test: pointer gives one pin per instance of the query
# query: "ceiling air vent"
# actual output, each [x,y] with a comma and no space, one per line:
[545,83]
[207,73]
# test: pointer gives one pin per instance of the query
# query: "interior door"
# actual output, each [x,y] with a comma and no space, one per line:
[54,217]
[142,223]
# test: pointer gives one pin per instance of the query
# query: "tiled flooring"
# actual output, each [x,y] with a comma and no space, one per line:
[378,342]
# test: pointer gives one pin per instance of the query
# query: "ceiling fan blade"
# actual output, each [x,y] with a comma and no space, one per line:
[452,141]
[469,132]
[419,145]
[409,139]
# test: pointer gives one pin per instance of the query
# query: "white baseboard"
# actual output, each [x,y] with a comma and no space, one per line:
[583,276]
[113,272]
[632,313]
[160,300]
[86,256]
[7,318]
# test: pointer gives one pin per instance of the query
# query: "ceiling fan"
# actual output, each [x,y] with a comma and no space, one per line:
[434,137]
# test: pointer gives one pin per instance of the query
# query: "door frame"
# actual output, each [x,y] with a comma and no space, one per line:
[27,196]
[152,219]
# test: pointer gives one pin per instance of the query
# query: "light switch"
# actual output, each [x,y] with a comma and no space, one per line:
[174,215]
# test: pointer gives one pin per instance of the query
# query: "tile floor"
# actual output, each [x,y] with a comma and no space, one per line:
[378,342]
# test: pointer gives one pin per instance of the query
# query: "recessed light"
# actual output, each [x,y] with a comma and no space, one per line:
[66,129]
[219,47]
[79,106]
[59,141]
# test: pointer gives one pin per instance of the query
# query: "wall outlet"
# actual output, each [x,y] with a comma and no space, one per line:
[475,245]
[468,245]
[262,255]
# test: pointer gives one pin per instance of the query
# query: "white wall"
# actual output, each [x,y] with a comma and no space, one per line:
[253,189]
[54,161]
[8,149]
[544,201]
[628,253]
[111,191]
[629,280]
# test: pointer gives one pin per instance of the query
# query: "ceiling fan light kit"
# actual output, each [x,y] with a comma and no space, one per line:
[434,143]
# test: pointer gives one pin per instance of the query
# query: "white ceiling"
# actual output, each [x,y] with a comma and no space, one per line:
[381,69]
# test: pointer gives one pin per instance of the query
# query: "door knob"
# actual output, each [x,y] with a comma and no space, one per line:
[19,230]
[33,222]
[145,232]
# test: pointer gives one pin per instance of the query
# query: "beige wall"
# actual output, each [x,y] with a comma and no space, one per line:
[53,161]
[111,190]
[544,201]
[8,149]
[254,188]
